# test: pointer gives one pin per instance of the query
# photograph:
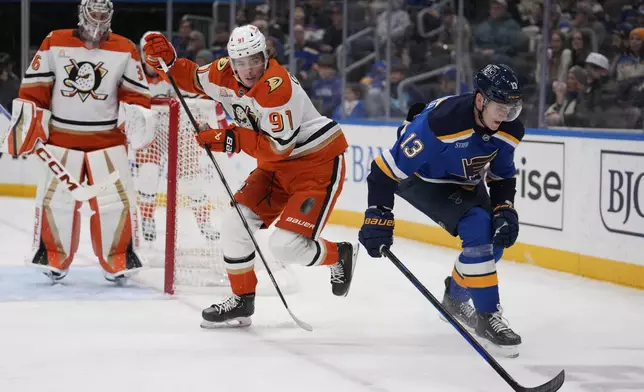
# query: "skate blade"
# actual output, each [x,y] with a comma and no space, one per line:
[500,351]
[494,349]
[238,322]
[356,249]
[122,278]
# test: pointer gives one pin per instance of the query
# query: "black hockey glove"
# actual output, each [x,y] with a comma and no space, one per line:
[377,230]
[505,222]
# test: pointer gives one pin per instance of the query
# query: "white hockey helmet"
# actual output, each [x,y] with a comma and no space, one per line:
[95,18]
[246,41]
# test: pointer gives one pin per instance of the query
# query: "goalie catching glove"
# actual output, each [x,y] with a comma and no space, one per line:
[138,123]
[158,47]
[29,125]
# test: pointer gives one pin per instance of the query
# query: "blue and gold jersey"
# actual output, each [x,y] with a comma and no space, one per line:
[443,144]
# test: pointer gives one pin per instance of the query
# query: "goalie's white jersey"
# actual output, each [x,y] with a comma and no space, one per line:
[83,88]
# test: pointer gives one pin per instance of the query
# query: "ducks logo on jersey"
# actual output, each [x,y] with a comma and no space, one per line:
[84,79]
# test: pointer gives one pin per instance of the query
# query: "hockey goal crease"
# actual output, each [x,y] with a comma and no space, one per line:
[181,203]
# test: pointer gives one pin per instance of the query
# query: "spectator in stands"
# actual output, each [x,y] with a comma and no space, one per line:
[497,39]
[326,91]
[568,109]
[275,49]
[400,24]
[9,82]
[242,18]
[584,18]
[446,85]
[317,14]
[218,45]
[376,101]
[333,34]
[196,42]
[619,45]
[376,77]
[354,107]
[444,48]
[306,52]
[181,41]
[631,63]
[580,46]
[203,57]
[559,59]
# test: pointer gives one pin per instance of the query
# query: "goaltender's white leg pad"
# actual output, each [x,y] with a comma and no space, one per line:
[116,206]
[54,202]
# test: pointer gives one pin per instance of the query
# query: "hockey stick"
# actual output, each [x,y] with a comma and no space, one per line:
[78,192]
[550,386]
[299,322]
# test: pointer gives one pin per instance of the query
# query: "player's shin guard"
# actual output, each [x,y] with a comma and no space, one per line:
[294,248]
[57,221]
[114,224]
[239,252]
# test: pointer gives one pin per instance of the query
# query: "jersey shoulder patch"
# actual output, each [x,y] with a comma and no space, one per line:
[513,131]
[451,116]
[118,43]
[275,87]
[61,38]
[218,71]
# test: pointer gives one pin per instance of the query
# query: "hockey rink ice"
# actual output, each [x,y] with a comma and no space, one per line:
[88,335]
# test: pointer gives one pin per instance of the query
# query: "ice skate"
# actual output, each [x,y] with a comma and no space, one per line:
[55,275]
[132,266]
[497,335]
[233,311]
[342,271]
[462,311]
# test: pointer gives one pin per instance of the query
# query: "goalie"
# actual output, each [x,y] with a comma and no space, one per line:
[82,86]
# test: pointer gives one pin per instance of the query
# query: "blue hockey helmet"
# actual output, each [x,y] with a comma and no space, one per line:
[499,83]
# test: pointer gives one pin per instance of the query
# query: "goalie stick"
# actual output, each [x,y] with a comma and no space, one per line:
[78,191]
[550,386]
[299,322]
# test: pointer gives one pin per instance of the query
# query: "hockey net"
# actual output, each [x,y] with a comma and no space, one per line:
[181,200]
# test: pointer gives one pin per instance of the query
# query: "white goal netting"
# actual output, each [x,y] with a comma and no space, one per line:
[181,231]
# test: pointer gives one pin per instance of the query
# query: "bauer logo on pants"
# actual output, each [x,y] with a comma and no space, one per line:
[621,196]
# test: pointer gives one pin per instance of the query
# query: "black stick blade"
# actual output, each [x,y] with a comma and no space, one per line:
[551,386]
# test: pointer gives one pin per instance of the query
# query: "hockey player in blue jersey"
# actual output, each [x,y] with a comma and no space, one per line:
[437,165]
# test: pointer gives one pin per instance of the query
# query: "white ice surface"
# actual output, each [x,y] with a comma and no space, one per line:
[88,335]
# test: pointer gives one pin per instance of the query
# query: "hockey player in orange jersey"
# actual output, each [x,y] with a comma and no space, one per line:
[90,83]
[149,161]
[300,164]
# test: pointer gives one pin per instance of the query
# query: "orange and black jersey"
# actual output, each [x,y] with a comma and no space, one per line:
[292,134]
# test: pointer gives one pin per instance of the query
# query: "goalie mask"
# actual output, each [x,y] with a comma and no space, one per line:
[94,18]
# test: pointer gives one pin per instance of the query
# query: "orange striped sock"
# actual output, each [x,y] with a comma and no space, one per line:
[332,254]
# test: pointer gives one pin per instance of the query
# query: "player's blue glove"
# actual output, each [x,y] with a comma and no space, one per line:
[505,222]
[377,230]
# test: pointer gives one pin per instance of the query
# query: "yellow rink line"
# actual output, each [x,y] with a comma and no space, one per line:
[588,266]
[560,260]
